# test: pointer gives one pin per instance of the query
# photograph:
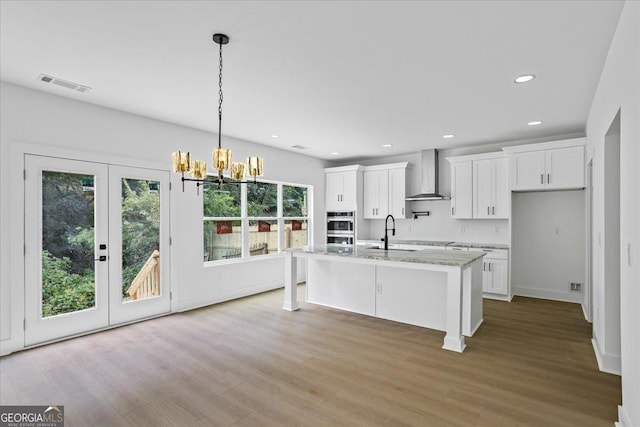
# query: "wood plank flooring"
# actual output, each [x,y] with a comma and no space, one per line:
[249,363]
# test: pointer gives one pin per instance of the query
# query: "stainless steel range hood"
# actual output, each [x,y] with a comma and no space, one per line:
[429,177]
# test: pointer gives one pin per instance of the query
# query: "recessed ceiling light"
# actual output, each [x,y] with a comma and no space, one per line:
[524,78]
[448,136]
[387,145]
[335,153]
[535,123]
[275,136]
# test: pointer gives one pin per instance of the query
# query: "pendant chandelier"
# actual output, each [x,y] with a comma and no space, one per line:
[197,169]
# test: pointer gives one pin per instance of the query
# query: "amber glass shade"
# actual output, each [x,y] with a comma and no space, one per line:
[198,169]
[237,171]
[254,164]
[221,158]
[181,161]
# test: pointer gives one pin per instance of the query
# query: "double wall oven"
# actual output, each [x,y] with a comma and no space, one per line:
[341,227]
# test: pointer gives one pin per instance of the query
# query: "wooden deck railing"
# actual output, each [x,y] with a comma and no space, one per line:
[147,282]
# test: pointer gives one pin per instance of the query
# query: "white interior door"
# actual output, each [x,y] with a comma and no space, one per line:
[66,236]
[96,246]
[138,267]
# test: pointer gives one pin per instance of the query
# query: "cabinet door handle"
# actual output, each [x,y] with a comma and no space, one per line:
[489,266]
[453,211]
[541,178]
[402,211]
[487,210]
[484,266]
[493,210]
[548,178]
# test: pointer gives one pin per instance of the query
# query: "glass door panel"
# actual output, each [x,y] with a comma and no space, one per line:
[66,274]
[138,219]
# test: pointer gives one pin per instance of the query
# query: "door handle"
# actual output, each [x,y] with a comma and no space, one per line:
[548,178]
[487,210]
[101,258]
[493,210]
[541,178]
[452,211]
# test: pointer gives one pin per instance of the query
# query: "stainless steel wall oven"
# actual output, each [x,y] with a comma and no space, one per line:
[341,227]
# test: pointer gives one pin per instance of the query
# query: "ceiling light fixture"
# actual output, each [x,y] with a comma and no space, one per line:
[275,136]
[221,156]
[335,153]
[387,145]
[524,78]
[535,123]
[448,136]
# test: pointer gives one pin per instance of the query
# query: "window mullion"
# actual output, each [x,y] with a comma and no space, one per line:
[244,221]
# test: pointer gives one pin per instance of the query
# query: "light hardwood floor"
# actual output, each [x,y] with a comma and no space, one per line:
[249,363]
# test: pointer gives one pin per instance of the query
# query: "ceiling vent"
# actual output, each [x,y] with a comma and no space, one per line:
[299,147]
[69,85]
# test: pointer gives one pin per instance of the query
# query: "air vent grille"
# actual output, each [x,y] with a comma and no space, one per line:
[59,82]
[299,147]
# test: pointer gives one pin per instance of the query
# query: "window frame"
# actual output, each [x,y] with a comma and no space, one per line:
[245,221]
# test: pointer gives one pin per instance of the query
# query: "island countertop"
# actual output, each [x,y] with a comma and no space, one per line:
[424,256]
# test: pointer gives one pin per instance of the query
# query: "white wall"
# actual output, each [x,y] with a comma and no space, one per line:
[548,244]
[57,125]
[619,89]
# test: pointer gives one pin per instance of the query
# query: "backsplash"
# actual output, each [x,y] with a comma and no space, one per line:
[440,226]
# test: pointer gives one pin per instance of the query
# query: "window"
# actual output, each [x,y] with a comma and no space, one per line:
[222,222]
[294,207]
[276,218]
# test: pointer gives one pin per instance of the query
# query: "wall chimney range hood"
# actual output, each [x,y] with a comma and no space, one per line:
[429,177]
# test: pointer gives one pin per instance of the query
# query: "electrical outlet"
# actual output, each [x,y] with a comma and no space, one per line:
[497,229]
[557,231]
[462,229]
[575,287]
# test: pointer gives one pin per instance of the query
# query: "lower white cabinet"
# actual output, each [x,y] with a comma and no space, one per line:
[494,276]
[495,271]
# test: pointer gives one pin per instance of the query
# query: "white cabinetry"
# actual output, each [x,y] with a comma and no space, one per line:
[385,190]
[479,186]
[491,188]
[461,190]
[376,193]
[342,187]
[398,192]
[557,165]
[495,271]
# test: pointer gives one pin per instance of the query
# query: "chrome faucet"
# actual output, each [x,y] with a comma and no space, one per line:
[393,231]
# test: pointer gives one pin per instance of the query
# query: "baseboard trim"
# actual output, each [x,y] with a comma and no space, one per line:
[623,418]
[584,313]
[9,346]
[194,303]
[496,297]
[606,362]
[548,294]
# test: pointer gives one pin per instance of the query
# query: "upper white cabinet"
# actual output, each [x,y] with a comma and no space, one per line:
[376,193]
[342,187]
[557,165]
[491,188]
[462,189]
[385,190]
[398,191]
[479,186]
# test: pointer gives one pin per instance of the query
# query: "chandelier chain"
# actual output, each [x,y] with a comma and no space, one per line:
[220,84]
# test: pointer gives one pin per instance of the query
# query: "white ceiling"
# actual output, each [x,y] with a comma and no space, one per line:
[332,76]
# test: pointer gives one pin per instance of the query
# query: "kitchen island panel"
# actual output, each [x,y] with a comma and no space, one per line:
[412,296]
[342,285]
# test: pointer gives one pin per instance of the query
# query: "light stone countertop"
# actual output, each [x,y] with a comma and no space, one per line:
[438,243]
[424,256]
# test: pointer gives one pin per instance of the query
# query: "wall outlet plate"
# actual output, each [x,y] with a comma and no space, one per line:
[575,287]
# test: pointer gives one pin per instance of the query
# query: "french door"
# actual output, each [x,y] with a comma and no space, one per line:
[96,253]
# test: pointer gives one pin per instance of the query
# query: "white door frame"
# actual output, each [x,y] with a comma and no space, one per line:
[12,172]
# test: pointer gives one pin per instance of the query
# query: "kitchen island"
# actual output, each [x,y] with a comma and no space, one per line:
[430,288]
